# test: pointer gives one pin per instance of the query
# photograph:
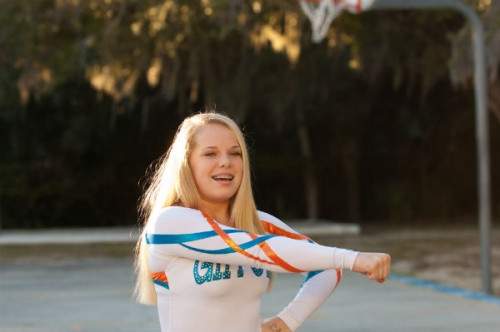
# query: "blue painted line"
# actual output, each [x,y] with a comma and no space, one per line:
[442,288]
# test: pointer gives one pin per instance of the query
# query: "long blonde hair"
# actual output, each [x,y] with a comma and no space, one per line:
[172,183]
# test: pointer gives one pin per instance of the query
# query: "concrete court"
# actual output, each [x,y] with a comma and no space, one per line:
[94,294]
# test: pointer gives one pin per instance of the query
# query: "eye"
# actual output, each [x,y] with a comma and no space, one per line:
[209,154]
[236,153]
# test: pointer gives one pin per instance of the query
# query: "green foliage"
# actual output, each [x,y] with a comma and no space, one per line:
[91,92]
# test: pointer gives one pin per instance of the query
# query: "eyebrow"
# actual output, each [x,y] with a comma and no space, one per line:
[214,147]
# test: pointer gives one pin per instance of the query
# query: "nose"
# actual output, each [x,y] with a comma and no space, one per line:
[225,160]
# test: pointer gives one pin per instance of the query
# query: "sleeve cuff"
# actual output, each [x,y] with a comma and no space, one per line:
[345,257]
[288,320]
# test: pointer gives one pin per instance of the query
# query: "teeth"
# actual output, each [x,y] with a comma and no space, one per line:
[223,177]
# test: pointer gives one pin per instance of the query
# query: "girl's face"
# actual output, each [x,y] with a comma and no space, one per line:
[216,163]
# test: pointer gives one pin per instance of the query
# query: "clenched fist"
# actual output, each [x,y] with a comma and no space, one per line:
[274,324]
[376,266]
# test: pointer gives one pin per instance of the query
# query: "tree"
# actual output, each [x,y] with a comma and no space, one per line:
[461,64]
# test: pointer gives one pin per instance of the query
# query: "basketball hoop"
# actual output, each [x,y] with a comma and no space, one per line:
[321,13]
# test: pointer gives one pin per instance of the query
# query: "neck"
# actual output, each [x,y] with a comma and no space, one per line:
[218,211]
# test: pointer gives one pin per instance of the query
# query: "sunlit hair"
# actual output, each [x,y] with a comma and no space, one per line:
[172,183]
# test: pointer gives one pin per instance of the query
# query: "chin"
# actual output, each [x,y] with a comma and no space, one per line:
[223,199]
[220,198]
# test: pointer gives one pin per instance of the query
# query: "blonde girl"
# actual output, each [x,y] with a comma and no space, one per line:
[205,252]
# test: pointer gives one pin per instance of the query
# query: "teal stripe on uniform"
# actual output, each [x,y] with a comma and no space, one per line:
[181,238]
[229,250]
[312,274]
[161,283]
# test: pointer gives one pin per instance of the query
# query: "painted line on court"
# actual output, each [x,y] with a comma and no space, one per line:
[442,288]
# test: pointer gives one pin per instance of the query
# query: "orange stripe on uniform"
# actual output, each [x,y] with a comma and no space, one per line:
[339,278]
[230,241]
[161,276]
[273,229]
[275,258]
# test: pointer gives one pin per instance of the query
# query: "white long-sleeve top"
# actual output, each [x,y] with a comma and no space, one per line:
[210,277]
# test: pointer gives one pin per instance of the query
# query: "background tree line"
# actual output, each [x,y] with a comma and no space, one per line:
[376,123]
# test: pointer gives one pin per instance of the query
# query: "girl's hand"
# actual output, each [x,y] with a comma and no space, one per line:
[274,324]
[376,266]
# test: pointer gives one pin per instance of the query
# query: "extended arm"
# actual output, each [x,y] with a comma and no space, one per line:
[186,233]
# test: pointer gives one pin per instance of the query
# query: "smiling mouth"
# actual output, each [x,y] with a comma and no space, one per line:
[223,178]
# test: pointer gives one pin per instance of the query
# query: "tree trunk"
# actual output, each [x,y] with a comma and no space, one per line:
[350,163]
[310,181]
[495,99]
[145,115]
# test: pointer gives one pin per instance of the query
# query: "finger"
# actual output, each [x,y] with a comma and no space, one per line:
[380,271]
[381,276]
[388,268]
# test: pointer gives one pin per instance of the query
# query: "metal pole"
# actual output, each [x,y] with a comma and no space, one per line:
[482,123]
[1,221]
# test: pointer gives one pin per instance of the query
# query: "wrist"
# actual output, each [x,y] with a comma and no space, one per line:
[345,258]
[288,320]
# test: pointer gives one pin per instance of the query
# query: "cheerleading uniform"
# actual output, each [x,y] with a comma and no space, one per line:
[210,277]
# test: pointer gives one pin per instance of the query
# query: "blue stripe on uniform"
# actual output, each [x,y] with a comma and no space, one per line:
[311,274]
[229,250]
[161,283]
[180,238]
